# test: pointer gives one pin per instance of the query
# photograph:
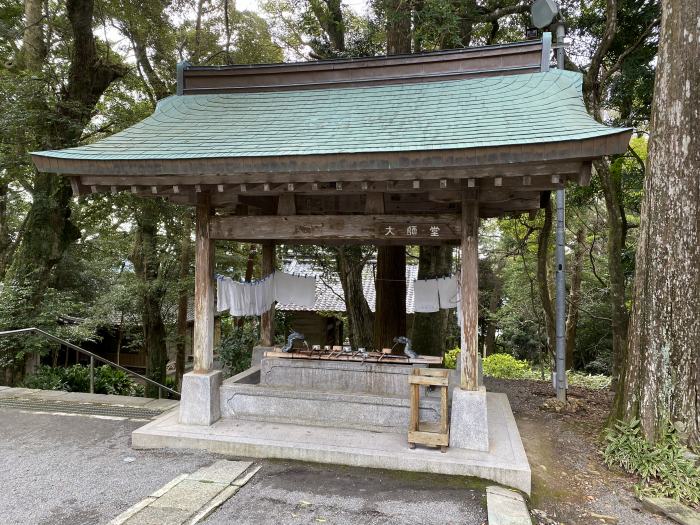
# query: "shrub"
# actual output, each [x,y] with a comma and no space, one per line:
[505,366]
[76,378]
[236,348]
[450,358]
[662,467]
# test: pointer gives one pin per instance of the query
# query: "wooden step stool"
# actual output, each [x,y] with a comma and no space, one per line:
[434,434]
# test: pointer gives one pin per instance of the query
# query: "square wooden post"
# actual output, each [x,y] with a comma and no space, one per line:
[203,287]
[200,402]
[267,320]
[469,290]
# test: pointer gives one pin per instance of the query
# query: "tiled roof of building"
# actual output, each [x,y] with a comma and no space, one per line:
[442,115]
[329,292]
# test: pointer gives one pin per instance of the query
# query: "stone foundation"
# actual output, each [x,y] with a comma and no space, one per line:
[469,422]
[200,401]
[336,376]
[311,407]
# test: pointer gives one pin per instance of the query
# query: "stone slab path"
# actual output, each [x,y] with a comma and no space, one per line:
[506,507]
[190,498]
[72,403]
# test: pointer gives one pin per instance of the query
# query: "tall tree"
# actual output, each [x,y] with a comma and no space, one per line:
[350,261]
[622,31]
[429,329]
[147,265]
[662,369]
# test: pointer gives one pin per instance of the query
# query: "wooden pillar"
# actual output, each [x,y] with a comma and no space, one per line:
[469,292]
[267,320]
[203,344]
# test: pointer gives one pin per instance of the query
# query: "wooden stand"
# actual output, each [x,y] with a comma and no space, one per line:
[434,434]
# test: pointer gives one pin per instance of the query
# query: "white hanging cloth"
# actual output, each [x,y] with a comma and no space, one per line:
[295,289]
[425,296]
[448,290]
[431,295]
[256,298]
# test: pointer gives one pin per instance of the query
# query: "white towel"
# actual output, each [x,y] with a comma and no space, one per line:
[294,289]
[237,299]
[425,296]
[223,285]
[448,290]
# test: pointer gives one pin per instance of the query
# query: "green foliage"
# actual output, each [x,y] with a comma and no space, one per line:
[662,467]
[76,378]
[505,366]
[450,358]
[236,348]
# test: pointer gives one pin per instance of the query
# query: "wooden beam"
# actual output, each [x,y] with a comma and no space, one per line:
[286,205]
[267,320]
[400,173]
[203,341]
[469,292]
[374,204]
[404,229]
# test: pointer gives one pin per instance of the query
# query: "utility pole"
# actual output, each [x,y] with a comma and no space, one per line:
[560,275]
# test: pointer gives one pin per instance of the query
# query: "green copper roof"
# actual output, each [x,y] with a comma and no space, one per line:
[453,114]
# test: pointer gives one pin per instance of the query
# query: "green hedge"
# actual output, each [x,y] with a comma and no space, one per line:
[76,378]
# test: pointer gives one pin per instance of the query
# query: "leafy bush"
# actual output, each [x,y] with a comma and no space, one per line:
[450,358]
[76,378]
[505,366]
[662,467]
[236,348]
[591,381]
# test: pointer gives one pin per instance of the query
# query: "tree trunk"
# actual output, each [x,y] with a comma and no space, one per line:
[662,372]
[617,239]
[33,51]
[390,310]
[152,291]
[350,263]
[494,303]
[390,306]
[576,274]
[543,240]
[183,298]
[430,329]
[398,27]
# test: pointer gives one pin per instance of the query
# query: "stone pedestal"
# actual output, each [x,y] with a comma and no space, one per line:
[468,422]
[200,400]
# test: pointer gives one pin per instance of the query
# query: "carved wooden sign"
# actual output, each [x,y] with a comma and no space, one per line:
[368,228]
[431,231]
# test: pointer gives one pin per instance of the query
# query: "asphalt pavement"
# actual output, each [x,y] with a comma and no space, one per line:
[79,469]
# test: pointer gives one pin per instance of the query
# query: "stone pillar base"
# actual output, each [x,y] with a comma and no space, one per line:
[200,399]
[469,424]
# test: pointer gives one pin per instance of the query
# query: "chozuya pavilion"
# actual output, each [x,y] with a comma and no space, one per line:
[405,150]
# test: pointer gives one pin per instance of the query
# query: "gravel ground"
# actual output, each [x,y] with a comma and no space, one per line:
[76,470]
[570,482]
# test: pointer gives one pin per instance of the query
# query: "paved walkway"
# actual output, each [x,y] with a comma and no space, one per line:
[78,469]
[61,398]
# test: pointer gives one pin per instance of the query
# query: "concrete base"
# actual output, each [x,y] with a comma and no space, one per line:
[504,462]
[336,376]
[310,407]
[469,422]
[200,401]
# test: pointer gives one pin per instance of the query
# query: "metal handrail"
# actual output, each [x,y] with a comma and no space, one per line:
[93,356]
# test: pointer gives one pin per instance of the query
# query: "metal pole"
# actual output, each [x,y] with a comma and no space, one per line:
[560,324]
[92,375]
